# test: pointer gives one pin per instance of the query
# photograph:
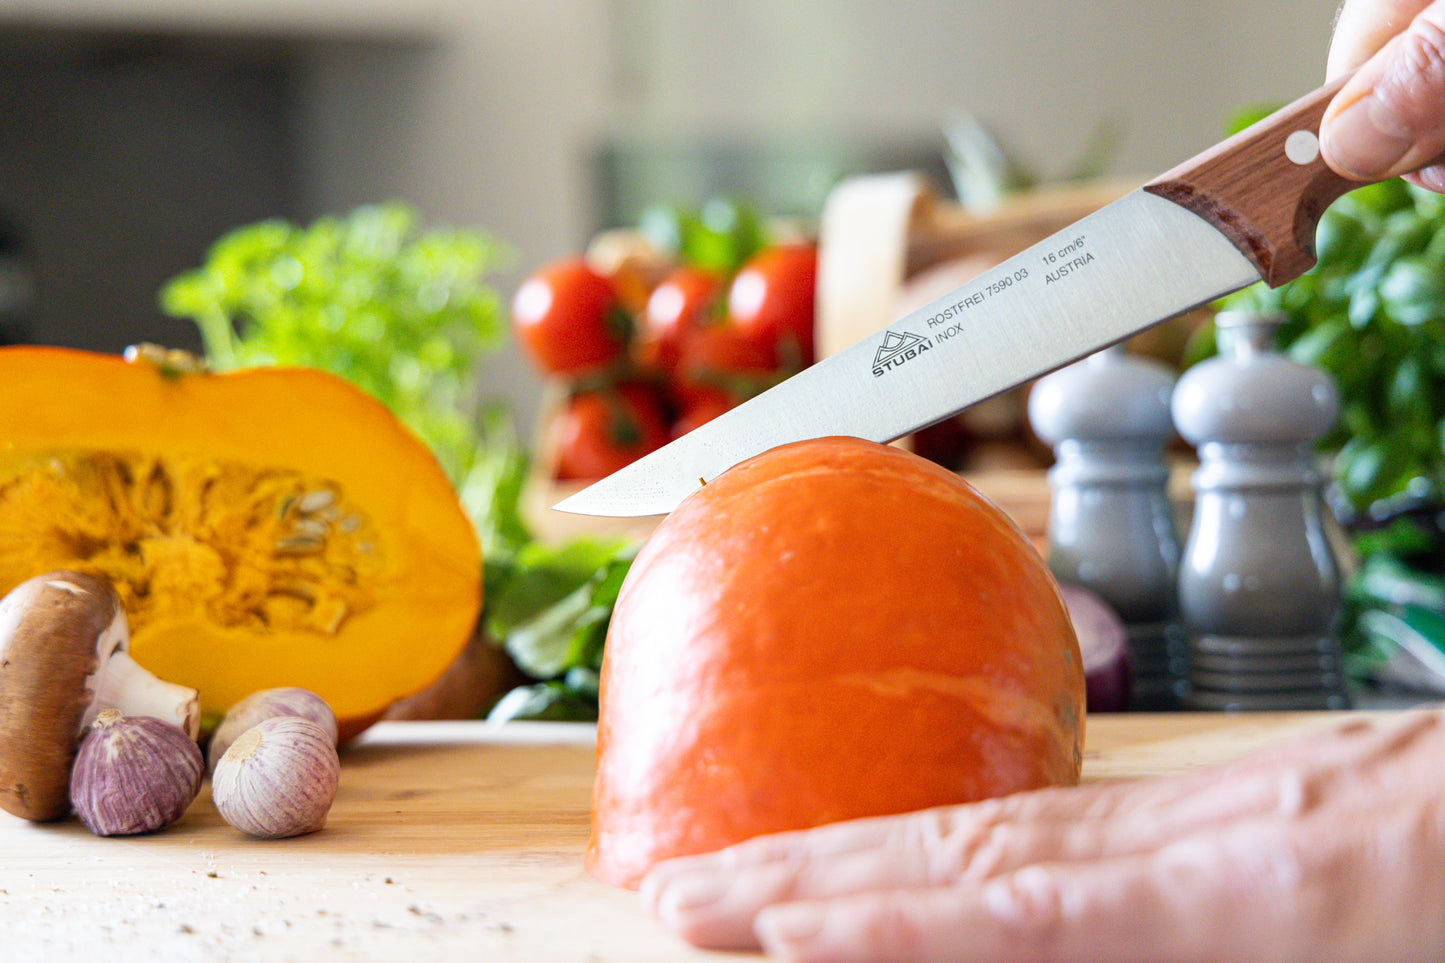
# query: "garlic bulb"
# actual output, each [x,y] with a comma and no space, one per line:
[134,774]
[267,704]
[278,778]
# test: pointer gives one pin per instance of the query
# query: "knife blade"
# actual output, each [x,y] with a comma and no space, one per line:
[1241,212]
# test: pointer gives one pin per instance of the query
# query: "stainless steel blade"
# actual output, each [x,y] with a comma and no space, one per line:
[1123,268]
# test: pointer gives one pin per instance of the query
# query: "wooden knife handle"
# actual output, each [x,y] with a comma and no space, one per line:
[1266,187]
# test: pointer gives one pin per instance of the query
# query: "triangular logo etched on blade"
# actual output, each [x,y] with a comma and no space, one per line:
[894,344]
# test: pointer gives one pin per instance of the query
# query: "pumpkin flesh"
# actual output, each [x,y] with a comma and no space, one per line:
[265,527]
[832,630]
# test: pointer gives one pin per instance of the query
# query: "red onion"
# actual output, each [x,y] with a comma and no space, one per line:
[1104,645]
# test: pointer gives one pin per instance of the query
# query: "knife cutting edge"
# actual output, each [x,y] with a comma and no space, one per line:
[1243,211]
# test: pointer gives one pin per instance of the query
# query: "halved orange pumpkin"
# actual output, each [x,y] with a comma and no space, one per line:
[266,527]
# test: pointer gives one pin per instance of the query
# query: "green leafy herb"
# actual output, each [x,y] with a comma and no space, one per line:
[551,612]
[402,313]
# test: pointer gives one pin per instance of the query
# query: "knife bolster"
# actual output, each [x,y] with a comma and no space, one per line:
[1251,190]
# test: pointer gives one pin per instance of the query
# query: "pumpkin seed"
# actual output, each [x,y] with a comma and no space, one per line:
[315,501]
[298,545]
[330,614]
[309,528]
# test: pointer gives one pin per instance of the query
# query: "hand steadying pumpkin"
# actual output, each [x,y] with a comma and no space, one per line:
[1329,848]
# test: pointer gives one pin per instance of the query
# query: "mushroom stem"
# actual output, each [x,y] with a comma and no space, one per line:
[122,683]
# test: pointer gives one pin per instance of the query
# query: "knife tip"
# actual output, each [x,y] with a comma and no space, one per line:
[586,502]
[574,504]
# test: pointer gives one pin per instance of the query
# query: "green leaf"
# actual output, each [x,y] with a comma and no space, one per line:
[1364,308]
[1326,345]
[583,680]
[1406,390]
[1341,237]
[719,236]
[1381,198]
[1385,580]
[542,646]
[552,609]
[1402,538]
[491,491]
[545,702]
[1376,468]
[543,575]
[1413,290]
[585,651]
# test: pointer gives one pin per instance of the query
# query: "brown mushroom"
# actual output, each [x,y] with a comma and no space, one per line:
[63,659]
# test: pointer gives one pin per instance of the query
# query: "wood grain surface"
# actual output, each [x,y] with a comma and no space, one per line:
[448,841]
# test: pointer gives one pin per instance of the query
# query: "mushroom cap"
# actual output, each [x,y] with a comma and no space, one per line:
[49,629]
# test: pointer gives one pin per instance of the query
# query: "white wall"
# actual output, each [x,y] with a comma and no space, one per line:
[486,127]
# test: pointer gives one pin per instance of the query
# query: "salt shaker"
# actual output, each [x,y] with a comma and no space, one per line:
[1111,526]
[1259,585]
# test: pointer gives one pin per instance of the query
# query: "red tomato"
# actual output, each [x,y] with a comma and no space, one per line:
[720,357]
[703,407]
[600,431]
[569,319]
[772,301]
[687,299]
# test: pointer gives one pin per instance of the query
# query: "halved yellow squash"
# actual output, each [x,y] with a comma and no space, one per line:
[266,527]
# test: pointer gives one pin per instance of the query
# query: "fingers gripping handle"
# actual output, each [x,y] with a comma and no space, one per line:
[1266,187]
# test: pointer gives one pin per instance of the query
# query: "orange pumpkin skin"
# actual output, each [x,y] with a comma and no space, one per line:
[831,630]
[265,527]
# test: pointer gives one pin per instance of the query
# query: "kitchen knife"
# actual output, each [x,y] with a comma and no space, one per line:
[1243,211]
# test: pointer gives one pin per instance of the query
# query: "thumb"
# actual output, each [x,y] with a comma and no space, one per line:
[1362,27]
[1389,118]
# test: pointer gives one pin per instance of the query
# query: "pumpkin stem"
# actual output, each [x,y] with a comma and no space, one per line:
[172,362]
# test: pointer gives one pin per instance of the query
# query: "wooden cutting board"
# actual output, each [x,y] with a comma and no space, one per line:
[447,841]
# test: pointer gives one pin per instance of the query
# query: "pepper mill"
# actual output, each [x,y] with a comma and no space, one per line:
[1259,585]
[1111,526]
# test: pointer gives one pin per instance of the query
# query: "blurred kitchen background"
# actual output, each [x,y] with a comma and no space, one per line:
[133,133]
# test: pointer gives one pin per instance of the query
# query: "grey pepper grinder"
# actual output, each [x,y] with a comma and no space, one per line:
[1111,526]
[1259,584]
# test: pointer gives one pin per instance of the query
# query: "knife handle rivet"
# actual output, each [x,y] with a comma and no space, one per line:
[1302,147]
